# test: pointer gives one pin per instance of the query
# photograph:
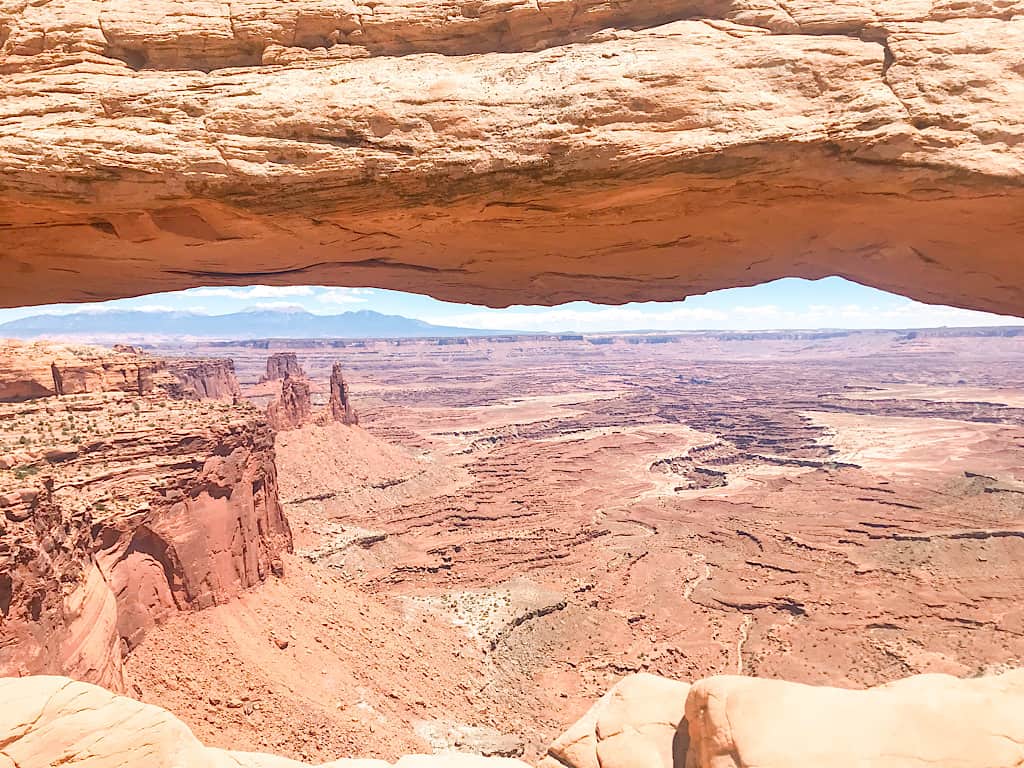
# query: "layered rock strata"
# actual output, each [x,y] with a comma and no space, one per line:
[120,508]
[516,152]
[40,369]
[293,406]
[282,364]
[205,379]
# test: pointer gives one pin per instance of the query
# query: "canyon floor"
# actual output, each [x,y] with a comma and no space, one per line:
[517,523]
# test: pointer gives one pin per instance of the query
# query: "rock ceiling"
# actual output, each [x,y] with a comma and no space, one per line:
[511,151]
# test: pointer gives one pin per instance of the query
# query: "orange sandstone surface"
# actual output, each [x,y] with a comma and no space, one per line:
[511,151]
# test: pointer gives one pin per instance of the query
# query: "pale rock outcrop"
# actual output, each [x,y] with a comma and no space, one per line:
[637,724]
[511,152]
[47,721]
[936,720]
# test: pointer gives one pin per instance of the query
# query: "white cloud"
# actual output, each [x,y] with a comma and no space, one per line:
[673,317]
[156,308]
[279,305]
[600,319]
[308,294]
[763,310]
[343,295]
[256,291]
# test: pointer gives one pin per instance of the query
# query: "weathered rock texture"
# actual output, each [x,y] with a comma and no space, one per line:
[512,152]
[205,379]
[740,722]
[38,369]
[338,406]
[293,407]
[120,508]
[637,724]
[282,364]
[51,720]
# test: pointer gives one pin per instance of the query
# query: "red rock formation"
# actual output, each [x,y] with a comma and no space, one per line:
[59,614]
[293,407]
[281,364]
[338,407]
[138,506]
[40,369]
[201,379]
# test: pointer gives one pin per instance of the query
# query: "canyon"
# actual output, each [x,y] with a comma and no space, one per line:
[516,523]
[132,488]
[710,550]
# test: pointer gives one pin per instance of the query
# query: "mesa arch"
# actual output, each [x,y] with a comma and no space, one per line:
[512,151]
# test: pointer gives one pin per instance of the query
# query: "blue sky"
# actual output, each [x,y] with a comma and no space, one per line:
[789,303]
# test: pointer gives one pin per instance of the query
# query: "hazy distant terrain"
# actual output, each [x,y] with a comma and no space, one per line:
[142,326]
[256,323]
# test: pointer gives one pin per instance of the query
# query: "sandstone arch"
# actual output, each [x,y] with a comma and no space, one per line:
[508,151]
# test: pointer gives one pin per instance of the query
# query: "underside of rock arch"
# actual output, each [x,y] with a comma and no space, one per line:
[512,151]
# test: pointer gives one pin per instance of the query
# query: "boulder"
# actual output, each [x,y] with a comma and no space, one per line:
[933,720]
[635,725]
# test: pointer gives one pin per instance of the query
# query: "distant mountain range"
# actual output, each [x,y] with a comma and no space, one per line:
[248,324]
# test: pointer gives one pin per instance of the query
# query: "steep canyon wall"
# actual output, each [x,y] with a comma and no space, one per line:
[120,508]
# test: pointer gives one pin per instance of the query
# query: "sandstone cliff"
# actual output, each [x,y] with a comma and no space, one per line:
[205,379]
[293,407]
[120,508]
[281,364]
[41,369]
[512,152]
